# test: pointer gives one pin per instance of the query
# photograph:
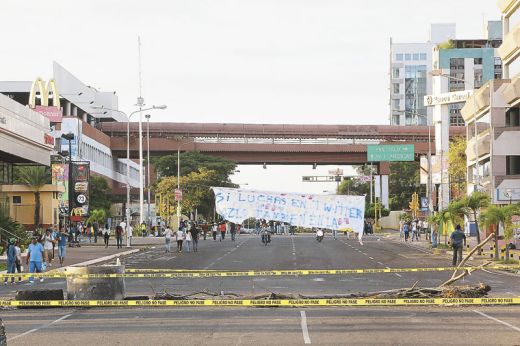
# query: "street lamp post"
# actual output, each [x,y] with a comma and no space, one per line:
[179,176]
[147,116]
[127,211]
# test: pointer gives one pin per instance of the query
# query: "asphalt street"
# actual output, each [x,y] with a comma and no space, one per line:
[284,326]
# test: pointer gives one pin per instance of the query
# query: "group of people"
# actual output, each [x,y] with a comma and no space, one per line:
[187,236]
[188,233]
[415,227]
[40,253]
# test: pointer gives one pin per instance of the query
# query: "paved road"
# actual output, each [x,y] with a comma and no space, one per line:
[378,325]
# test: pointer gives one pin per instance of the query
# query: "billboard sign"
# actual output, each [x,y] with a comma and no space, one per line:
[60,177]
[79,190]
[399,152]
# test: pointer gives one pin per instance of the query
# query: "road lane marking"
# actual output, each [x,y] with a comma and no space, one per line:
[497,320]
[398,275]
[371,258]
[39,328]
[305,331]
[380,263]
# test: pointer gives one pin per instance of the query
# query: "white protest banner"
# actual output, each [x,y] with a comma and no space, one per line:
[305,210]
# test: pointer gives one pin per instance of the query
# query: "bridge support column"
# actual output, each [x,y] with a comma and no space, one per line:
[384,171]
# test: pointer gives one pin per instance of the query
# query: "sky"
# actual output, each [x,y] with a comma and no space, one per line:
[255,61]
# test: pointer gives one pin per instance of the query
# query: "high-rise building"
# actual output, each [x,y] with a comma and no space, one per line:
[470,63]
[492,116]
[410,64]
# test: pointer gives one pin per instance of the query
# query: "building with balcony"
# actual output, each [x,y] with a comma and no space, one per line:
[492,115]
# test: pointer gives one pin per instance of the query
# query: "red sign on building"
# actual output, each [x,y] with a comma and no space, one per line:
[48,139]
[54,114]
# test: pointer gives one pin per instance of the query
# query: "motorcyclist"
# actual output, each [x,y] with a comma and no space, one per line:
[319,235]
[266,235]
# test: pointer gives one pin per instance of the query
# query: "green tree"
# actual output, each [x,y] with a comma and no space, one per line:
[97,215]
[353,186]
[100,194]
[196,188]
[472,206]
[35,177]
[500,217]
[403,182]
[457,169]
[192,161]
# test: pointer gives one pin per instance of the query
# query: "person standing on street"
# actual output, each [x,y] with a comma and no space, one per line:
[414,230]
[119,236]
[11,261]
[48,242]
[95,230]
[35,258]
[18,260]
[214,230]
[180,235]
[62,245]
[167,239]
[188,238]
[194,231]
[106,234]
[222,228]
[232,230]
[406,231]
[335,233]
[458,240]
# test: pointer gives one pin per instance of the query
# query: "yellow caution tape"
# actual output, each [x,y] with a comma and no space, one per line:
[272,302]
[164,273]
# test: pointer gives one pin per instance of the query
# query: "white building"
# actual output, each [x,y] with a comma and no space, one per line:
[79,105]
[410,64]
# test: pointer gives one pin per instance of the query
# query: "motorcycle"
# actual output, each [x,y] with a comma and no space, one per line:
[266,237]
[319,236]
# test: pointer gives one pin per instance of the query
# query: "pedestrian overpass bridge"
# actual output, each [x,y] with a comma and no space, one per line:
[271,143]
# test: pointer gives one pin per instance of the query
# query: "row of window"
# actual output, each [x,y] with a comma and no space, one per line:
[410,56]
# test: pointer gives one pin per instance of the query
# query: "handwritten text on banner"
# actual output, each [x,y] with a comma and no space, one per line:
[305,210]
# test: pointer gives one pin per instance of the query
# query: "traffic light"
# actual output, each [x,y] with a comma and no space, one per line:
[414,204]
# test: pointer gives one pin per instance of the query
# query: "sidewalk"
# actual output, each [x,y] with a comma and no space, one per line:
[136,241]
[425,246]
[86,255]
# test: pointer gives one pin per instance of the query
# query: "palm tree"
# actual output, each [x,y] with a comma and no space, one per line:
[472,205]
[35,177]
[97,215]
[451,215]
[500,216]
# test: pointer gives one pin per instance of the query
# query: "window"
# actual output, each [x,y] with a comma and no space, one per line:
[513,117]
[512,165]
[395,72]
[416,56]
[17,199]
[395,88]
[399,57]
[423,56]
[396,104]
[477,61]
[498,61]
[408,57]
